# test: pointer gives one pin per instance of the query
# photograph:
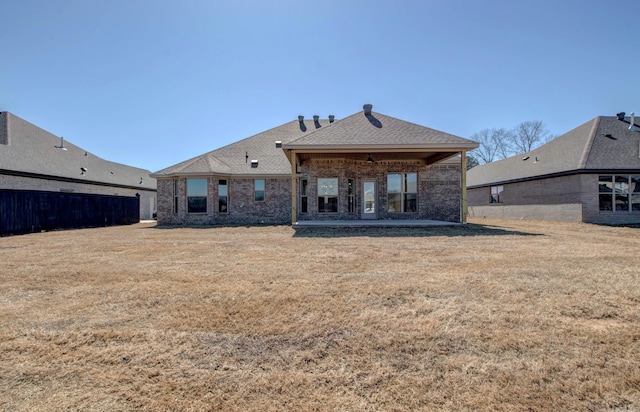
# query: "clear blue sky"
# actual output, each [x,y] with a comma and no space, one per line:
[151,83]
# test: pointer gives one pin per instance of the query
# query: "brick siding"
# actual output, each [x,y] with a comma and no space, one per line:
[439,195]
[566,198]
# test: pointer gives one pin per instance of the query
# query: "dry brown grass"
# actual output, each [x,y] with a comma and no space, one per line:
[496,315]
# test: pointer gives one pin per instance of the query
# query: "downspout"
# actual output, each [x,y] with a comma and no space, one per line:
[463,186]
[294,195]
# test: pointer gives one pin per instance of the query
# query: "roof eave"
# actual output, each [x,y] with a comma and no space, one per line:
[323,148]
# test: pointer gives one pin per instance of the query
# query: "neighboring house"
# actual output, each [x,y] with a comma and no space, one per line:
[366,166]
[589,174]
[34,160]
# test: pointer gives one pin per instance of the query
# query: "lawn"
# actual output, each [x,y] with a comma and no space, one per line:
[494,315]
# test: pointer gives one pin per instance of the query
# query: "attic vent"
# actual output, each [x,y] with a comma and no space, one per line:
[367,109]
[278,143]
[621,115]
[254,163]
[332,118]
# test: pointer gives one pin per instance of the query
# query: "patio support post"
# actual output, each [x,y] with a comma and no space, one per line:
[294,195]
[463,186]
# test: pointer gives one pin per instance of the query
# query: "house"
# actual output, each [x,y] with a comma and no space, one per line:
[365,166]
[51,175]
[589,174]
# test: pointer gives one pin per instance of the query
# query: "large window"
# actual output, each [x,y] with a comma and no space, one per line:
[258,190]
[619,193]
[176,196]
[328,195]
[402,192]
[197,195]
[496,194]
[635,193]
[223,196]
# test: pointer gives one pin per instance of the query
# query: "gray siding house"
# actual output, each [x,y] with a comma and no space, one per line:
[589,174]
[365,166]
[32,159]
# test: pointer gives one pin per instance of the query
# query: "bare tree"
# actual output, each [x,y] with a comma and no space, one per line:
[528,135]
[471,162]
[494,144]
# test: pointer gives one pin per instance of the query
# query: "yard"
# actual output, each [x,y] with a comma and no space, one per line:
[494,315]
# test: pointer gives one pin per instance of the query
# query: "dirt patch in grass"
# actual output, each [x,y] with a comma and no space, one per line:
[494,315]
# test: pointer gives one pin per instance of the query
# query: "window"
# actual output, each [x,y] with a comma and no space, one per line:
[402,192]
[635,193]
[223,196]
[351,194]
[328,195]
[496,194]
[304,203]
[258,190]
[622,193]
[175,195]
[619,193]
[197,195]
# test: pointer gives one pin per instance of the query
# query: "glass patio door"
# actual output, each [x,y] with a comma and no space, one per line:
[369,199]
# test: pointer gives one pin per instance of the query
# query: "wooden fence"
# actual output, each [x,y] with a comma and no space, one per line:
[29,211]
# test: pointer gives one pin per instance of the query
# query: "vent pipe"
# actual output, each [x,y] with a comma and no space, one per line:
[61,144]
[632,127]
[367,109]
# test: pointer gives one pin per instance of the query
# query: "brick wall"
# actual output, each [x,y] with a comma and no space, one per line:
[242,208]
[439,195]
[566,198]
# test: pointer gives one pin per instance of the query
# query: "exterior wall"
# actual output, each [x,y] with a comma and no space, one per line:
[591,206]
[567,212]
[438,195]
[147,197]
[242,208]
[438,188]
[568,198]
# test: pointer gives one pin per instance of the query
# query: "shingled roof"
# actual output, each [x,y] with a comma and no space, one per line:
[378,131]
[358,131]
[26,149]
[235,159]
[603,144]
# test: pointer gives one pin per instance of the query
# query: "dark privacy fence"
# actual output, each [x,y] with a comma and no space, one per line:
[28,211]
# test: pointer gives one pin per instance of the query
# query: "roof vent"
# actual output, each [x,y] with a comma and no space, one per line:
[302,125]
[332,118]
[621,115]
[278,144]
[632,127]
[367,109]
[62,144]
[316,121]
[254,163]
[301,118]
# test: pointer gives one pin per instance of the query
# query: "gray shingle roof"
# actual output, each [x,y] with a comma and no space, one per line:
[603,143]
[33,150]
[379,131]
[232,159]
[357,131]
